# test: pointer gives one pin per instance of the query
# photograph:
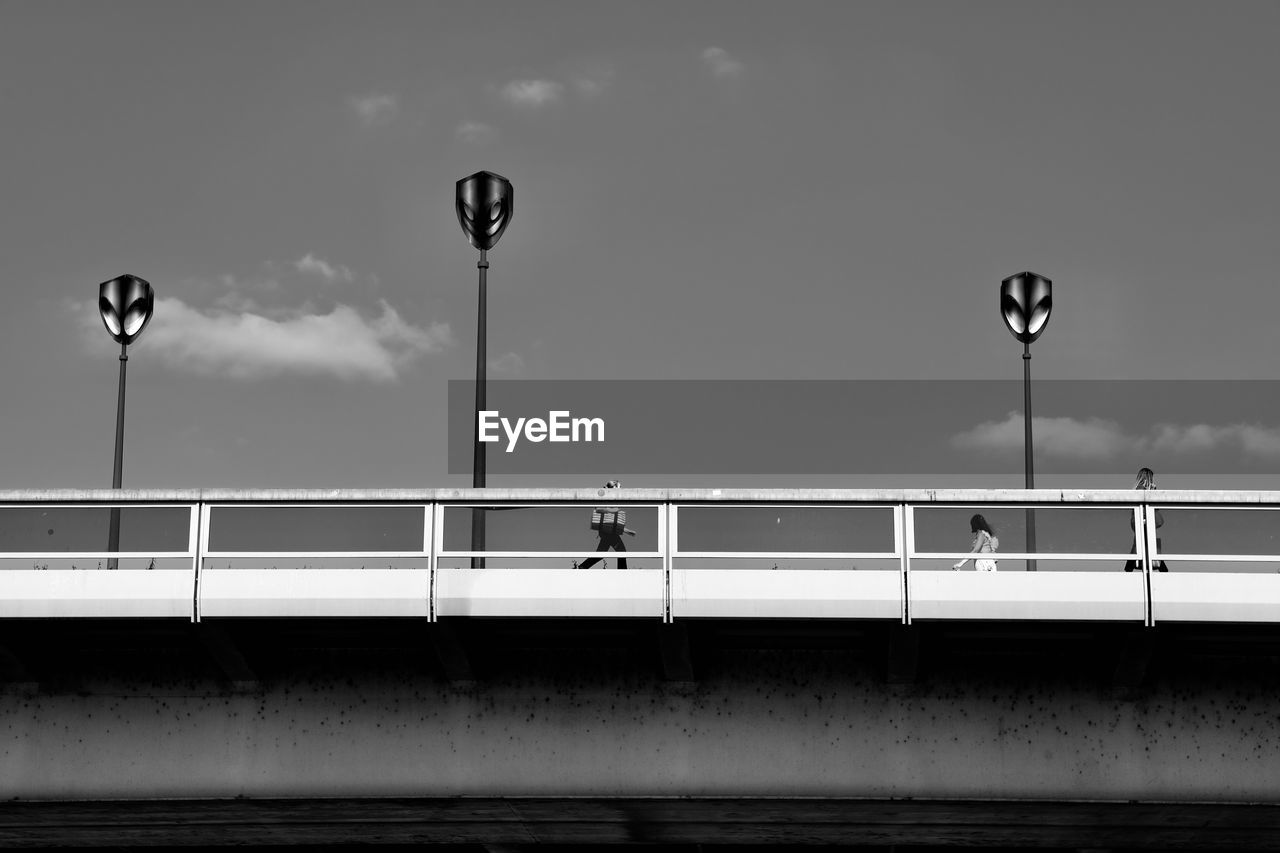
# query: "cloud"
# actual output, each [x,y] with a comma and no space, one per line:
[476,133]
[532,93]
[1258,441]
[587,85]
[375,109]
[721,63]
[1067,437]
[312,265]
[507,364]
[1252,439]
[254,345]
[1097,439]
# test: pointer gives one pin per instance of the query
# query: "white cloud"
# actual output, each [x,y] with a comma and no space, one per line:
[1095,438]
[1195,438]
[1259,441]
[507,365]
[251,345]
[375,109]
[309,263]
[1068,437]
[476,133]
[721,63]
[1252,439]
[532,93]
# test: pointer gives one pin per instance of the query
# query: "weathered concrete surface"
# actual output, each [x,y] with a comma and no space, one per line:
[743,495]
[761,723]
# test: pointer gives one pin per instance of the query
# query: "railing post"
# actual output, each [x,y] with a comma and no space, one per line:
[437,546]
[669,529]
[899,547]
[202,547]
[1147,547]
[429,546]
[908,551]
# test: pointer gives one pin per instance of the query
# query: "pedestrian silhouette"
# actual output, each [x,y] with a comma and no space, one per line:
[1146,481]
[610,523]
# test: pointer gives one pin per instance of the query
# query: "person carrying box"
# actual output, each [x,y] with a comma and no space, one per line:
[610,523]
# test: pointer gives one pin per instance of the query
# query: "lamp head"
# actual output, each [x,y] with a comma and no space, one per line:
[1025,302]
[483,203]
[126,303]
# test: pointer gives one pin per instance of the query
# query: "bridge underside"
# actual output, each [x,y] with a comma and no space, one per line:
[728,823]
[521,732]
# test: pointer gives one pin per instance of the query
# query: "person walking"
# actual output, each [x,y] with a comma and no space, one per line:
[1145,481]
[984,542]
[609,522]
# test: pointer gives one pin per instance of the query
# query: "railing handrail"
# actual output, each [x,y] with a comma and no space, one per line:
[904,505]
[992,497]
[202,502]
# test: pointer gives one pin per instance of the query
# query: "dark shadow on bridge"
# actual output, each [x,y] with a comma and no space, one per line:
[57,655]
[722,825]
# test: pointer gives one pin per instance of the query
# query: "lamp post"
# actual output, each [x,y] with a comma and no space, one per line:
[1025,302]
[126,304]
[483,203]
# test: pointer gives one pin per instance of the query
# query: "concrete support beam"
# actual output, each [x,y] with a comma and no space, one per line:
[550,722]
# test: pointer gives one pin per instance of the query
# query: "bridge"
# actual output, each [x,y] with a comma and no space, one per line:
[780,666]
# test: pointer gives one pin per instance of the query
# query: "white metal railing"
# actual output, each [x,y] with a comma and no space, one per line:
[904,590]
[1083,556]
[1202,596]
[43,554]
[733,590]
[501,589]
[1076,595]
[565,554]
[262,591]
[124,591]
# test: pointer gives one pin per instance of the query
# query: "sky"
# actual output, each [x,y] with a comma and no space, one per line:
[703,191]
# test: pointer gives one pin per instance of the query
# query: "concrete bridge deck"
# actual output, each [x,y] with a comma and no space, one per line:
[514,731]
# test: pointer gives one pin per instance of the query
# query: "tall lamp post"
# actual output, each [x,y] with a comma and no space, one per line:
[126,304]
[483,203]
[1025,302]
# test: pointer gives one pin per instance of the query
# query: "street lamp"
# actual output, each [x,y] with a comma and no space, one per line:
[126,303]
[1025,302]
[483,203]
